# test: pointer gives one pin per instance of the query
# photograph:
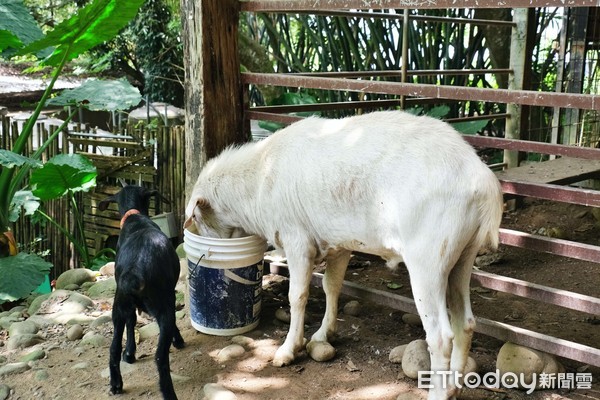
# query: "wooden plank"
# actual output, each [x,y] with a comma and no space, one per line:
[562,170]
[561,247]
[107,143]
[534,147]
[563,298]
[498,330]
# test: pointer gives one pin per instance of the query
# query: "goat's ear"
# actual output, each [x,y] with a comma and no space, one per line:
[103,205]
[202,206]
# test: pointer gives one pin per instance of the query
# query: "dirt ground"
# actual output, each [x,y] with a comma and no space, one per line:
[361,369]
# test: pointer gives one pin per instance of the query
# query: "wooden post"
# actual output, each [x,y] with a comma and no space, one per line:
[213,95]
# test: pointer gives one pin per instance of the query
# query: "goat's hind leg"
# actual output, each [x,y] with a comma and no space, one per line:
[337,263]
[119,316]
[130,346]
[166,324]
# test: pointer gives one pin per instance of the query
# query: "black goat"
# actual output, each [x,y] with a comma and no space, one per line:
[146,271]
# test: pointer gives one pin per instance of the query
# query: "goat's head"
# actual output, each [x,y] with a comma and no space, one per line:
[208,221]
[128,198]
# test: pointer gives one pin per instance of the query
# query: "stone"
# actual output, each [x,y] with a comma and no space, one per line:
[23,341]
[94,339]
[523,360]
[37,302]
[214,391]
[7,321]
[230,352]
[103,289]
[283,315]
[4,392]
[149,331]
[86,285]
[397,353]
[23,327]
[126,369]
[108,269]
[353,308]
[41,375]
[63,305]
[81,365]
[14,368]
[71,287]
[242,340]
[415,358]
[75,332]
[3,359]
[101,320]
[412,320]
[33,356]
[320,351]
[75,276]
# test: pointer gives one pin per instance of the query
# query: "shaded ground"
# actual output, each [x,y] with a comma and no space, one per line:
[361,369]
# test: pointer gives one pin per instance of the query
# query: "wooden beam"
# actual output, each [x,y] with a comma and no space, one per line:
[213,95]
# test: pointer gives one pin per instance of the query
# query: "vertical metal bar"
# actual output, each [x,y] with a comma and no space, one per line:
[562,50]
[404,70]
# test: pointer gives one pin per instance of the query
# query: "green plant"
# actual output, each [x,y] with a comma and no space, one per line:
[99,21]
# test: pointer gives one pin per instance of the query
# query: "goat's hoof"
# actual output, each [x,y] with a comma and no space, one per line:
[179,344]
[283,358]
[129,358]
[116,389]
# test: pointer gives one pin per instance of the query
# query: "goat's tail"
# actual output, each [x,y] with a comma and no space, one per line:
[491,206]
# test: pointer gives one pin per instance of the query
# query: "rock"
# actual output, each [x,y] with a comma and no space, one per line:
[179,378]
[485,260]
[80,319]
[2,359]
[180,251]
[81,365]
[86,285]
[63,305]
[75,276]
[4,392]
[108,269]
[214,391]
[242,340]
[412,319]
[37,302]
[353,308]
[471,365]
[23,341]
[71,287]
[7,321]
[18,309]
[283,315]
[40,320]
[23,327]
[94,339]
[33,356]
[101,320]
[149,331]
[14,368]
[126,369]
[41,375]
[320,351]
[103,289]
[230,352]
[415,358]
[523,360]
[397,353]
[75,332]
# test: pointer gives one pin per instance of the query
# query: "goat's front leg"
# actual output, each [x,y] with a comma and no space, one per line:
[337,263]
[300,264]
[166,323]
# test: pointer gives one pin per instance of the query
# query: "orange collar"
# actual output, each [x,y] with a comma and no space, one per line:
[127,214]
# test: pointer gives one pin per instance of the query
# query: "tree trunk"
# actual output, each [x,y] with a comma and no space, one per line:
[213,93]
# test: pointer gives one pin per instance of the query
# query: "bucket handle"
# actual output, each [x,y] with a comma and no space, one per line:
[238,279]
[193,272]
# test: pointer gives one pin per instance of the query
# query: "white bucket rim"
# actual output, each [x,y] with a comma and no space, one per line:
[223,241]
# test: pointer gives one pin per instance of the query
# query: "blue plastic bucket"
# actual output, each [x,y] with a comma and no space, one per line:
[225,283]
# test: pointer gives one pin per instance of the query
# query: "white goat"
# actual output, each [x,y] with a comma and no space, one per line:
[386,183]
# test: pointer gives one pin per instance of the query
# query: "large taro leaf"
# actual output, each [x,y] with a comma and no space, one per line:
[23,200]
[9,159]
[470,127]
[61,174]
[94,24]
[100,95]
[17,26]
[20,275]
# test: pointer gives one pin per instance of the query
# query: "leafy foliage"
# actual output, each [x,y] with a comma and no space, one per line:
[9,159]
[100,95]
[62,174]
[19,282]
[17,26]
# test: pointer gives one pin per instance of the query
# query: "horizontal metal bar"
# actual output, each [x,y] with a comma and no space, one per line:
[547,191]
[561,247]
[414,72]
[534,147]
[341,105]
[545,294]
[424,18]
[266,116]
[498,330]
[526,97]
[307,5]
